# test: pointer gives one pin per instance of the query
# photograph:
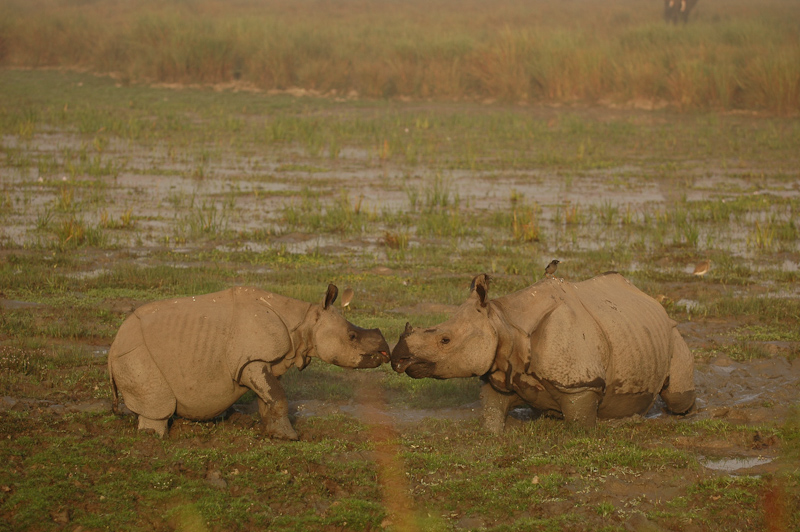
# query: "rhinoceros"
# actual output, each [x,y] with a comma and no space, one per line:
[195,356]
[596,348]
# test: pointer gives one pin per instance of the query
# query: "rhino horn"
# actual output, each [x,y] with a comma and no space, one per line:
[408,329]
[330,295]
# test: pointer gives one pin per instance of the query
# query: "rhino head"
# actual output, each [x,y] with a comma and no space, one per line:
[463,346]
[339,342]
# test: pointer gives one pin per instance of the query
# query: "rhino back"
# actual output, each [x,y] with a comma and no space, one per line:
[637,329]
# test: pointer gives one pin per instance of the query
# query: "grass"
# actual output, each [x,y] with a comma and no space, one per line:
[270,478]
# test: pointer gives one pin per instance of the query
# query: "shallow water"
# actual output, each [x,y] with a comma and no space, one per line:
[731,465]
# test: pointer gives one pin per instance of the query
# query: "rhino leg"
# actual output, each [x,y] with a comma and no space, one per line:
[496,406]
[580,407]
[159,426]
[272,403]
[577,405]
[143,387]
[678,392]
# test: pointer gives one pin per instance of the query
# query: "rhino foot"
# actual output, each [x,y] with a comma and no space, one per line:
[280,428]
[679,402]
[159,426]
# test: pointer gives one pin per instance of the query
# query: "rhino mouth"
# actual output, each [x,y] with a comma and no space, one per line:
[373,360]
[414,368]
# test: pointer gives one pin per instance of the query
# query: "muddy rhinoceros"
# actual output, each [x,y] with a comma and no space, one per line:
[195,356]
[597,348]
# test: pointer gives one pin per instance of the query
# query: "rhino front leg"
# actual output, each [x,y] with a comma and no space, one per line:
[272,404]
[495,407]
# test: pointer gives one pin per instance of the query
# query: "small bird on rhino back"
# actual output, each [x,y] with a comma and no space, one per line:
[551,268]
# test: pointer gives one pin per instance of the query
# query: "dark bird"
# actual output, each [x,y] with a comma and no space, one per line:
[551,268]
[347,297]
[702,268]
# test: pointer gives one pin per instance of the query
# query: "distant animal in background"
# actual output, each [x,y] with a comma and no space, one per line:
[347,297]
[551,268]
[702,268]
[675,10]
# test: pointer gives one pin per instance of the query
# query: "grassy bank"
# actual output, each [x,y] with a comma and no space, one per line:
[732,55]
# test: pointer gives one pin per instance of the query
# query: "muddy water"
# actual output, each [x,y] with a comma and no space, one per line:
[761,391]
[758,391]
[249,193]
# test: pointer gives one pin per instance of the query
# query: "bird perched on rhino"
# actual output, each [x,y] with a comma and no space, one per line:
[551,268]
[347,298]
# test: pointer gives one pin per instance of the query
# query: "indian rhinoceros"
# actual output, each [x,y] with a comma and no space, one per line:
[597,348]
[195,356]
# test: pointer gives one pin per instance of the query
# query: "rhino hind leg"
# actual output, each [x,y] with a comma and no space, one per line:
[144,389]
[678,391]
[273,407]
[680,402]
[580,407]
[159,426]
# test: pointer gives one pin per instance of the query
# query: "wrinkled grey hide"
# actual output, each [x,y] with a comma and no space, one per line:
[196,356]
[597,348]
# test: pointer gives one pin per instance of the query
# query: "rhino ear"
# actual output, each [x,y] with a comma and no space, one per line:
[480,286]
[330,295]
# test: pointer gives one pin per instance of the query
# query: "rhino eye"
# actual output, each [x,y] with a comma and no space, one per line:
[352,335]
[445,340]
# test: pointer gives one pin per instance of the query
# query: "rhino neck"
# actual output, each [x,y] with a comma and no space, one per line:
[303,337]
[507,341]
[298,317]
[516,317]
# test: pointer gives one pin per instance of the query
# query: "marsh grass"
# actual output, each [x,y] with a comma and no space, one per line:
[73,232]
[338,216]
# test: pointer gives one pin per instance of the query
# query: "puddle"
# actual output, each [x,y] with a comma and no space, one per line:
[10,304]
[689,304]
[730,465]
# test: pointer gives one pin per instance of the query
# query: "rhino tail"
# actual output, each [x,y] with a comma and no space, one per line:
[114,390]
[115,397]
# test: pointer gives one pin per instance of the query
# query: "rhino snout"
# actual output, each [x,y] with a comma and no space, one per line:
[403,361]
[401,356]
[377,356]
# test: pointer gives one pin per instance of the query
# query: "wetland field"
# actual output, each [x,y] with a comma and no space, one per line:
[116,191]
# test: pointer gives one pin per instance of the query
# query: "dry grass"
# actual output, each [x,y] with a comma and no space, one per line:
[739,54]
